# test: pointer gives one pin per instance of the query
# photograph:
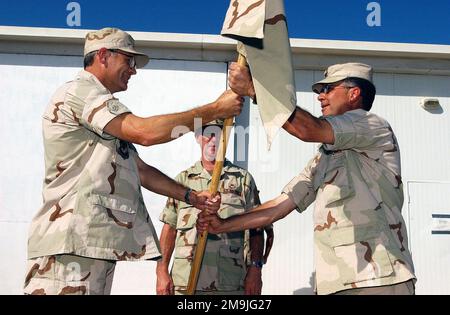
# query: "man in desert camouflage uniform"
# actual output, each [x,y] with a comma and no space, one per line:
[226,267]
[93,212]
[360,238]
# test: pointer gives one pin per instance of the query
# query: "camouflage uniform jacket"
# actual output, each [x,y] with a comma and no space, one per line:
[223,267]
[360,236]
[92,200]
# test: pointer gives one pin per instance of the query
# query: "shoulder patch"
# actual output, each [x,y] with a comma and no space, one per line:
[113,106]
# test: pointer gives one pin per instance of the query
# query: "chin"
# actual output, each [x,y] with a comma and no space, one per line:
[211,158]
[328,112]
[212,152]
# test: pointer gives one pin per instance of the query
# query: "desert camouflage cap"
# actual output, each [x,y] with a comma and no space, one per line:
[212,124]
[114,38]
[343,71]
[215,122]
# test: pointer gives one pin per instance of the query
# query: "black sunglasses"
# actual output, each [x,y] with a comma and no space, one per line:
[210,131]
[327,88]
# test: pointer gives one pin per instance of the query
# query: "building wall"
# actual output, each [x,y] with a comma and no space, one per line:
[181,76]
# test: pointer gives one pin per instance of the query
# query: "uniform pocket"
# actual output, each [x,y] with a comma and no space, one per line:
[106,208]
[187,233]
[114,203]
[181,267]
[231,267]
[333,180]
[231,205]
[336,186]
[187,217]
[361,255]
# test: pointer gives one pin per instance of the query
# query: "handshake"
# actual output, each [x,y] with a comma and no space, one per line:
[208,219]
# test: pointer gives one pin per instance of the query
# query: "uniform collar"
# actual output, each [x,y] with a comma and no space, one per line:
[86,75]
[358,111]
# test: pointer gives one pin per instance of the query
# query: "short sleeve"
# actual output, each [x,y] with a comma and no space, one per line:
[100,108]
[358,129]
[169,214]
[251,193]
[301,189]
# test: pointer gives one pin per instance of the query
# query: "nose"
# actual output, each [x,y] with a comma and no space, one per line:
[215,140]
[133,70]
[321,97]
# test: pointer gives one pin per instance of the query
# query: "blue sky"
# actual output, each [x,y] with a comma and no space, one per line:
[401,20]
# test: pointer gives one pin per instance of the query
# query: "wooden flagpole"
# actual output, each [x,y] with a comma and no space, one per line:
[220,158]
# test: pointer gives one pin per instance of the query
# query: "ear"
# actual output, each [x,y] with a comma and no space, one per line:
[198,138]
[102,55]
[355,93]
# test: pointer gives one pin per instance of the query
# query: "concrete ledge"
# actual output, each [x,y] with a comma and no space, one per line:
[307,53]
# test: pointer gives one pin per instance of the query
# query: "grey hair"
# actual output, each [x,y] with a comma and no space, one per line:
[89,59]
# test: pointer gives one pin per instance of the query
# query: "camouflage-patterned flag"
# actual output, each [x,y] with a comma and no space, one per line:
[261,30]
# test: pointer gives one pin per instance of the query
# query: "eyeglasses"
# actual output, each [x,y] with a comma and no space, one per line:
[327,88]
[131,59]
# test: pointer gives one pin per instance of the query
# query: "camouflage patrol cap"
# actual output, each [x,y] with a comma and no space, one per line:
[212,124]
[343,71]
[114,38]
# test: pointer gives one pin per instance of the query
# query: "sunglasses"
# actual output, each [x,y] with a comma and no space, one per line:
[327,88]
[211,131]
[131,59]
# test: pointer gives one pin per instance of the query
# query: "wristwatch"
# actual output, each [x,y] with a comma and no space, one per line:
[257,263]
[186,196]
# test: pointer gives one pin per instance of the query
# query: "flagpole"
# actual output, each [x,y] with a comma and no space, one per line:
[220,158]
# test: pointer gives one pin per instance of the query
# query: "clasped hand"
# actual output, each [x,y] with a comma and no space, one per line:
[210,205]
